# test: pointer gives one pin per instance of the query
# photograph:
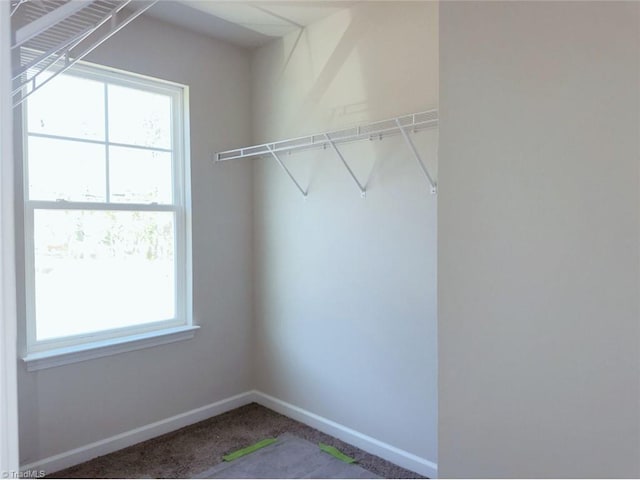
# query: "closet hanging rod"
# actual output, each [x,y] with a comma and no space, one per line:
[392,126]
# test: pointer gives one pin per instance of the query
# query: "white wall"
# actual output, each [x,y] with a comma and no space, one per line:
[345,286]
[70,406]
[8,323]
[539,338]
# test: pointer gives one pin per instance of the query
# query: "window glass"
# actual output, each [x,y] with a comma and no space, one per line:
[68,106]
[66,170]
[137,117]
[107,241]
[139,176]
[101,270]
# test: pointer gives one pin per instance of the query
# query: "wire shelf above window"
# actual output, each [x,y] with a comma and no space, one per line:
[52,35]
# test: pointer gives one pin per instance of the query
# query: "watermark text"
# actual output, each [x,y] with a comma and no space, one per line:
[23,474]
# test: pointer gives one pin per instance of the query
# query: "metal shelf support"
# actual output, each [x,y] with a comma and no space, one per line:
[79,25]
[15,7]
[286,170]
[403,125]
[363,190]
[412,147]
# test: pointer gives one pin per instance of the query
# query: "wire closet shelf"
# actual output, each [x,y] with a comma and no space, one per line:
[50,36]
[403,125]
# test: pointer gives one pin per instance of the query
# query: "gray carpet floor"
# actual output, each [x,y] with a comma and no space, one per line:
[192,450]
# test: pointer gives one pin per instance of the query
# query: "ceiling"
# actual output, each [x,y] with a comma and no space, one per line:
[245,23]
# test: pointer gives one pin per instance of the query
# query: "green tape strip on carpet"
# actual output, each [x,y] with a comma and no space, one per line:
[247,450]
[336,453]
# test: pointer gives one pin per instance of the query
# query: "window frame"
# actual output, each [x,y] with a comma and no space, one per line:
[128,336]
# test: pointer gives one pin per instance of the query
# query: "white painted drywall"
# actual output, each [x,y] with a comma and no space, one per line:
[539,334]
[8,317]
[345,286]
[70,406]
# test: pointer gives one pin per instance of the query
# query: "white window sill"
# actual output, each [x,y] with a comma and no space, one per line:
[104,348]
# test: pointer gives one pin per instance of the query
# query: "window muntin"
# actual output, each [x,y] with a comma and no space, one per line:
[105,208]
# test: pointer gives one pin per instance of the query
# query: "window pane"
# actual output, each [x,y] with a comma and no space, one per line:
[66,170]
[139,176]
[100,270]
[141,118]
[68,106]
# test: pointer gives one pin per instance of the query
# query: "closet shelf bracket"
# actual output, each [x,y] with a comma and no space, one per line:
[60,33]
[287,171]
[404,125]
[414,150]
[363,190]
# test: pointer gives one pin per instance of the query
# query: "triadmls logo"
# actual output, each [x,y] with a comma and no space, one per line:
[23,474]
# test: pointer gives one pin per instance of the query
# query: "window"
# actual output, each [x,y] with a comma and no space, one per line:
[106,207]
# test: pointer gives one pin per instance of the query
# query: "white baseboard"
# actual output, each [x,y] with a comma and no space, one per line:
[376,447]
[108,445]
[137,435]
